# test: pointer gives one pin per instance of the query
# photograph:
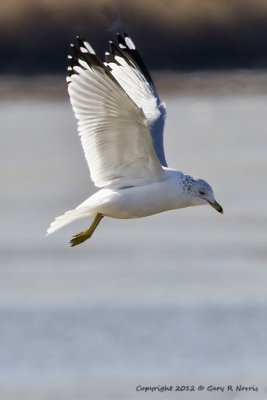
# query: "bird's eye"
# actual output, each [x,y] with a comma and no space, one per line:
[201,192]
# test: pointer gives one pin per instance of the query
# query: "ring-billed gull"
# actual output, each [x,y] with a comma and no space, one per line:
[121,122]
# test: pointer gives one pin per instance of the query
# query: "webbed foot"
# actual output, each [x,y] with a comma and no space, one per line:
[79,238]
[82,236]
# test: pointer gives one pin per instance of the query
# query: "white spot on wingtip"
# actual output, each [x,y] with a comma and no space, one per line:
[129,43]
[68,79]
[121,61]
[69,68]
[89,47]
[84,50]
[83,63]
[78,69]
[121,46]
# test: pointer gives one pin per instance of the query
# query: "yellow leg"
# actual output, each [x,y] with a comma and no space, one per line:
[82,236]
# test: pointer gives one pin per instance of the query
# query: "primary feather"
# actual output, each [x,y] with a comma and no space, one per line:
[128,68]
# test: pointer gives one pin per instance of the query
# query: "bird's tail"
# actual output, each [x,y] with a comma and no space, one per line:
[68,217]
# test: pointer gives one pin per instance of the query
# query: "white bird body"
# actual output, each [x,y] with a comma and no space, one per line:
[140,201]
[120,122]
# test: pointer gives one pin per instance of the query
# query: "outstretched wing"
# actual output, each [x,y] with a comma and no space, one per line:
[113,130]
[129,70]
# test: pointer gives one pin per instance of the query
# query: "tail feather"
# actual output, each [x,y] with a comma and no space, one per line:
[67,218]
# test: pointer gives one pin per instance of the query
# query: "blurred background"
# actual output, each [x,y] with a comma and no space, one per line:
[174,299]
[173,34]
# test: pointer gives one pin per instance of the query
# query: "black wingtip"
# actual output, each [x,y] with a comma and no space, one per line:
[112,47]
[84,57]
[121,42]
[80,41]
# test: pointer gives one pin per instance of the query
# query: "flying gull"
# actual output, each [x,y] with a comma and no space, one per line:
[121,122]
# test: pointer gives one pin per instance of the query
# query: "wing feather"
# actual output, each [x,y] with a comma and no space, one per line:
[113,130]
[128,68]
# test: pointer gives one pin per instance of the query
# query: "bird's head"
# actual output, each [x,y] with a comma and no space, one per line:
[202,193]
